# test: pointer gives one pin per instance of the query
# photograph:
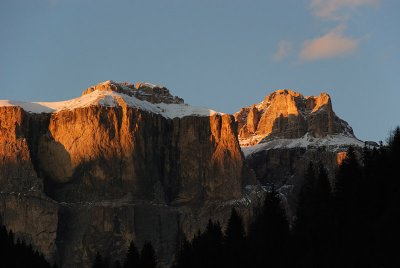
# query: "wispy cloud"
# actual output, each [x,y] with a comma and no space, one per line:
[329,45]
[283,50]
[337,9]
[333,43]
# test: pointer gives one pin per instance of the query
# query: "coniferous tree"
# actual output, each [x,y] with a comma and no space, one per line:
[18,254]
[322,224]
[148,256]
[185,254]
[304,216]
[235,241]
[348,201]
[269,234]
[99,262]
[205,250]
[132,256]
[117,264]
[389,222]
[304,208]
[212,239]
[198,249]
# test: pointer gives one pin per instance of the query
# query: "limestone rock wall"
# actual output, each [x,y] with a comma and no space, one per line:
[288,114]
[92,179]
[16,168]
[100,152]
[24,207]
[33,218]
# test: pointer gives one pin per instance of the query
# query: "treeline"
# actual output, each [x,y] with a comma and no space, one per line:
[351,222]
[268,237]
[146,258]
[17,254]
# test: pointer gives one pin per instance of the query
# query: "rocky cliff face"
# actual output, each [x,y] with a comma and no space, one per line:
[99,152]
[98,171]
[24,207]
[288,114]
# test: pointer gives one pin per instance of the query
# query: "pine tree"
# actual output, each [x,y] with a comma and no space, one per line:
[98,261]
[213,239]
[235,241]
[132,256]
[18,254]
[348,201]
[205,250]
[148,256]
[184,255]
[117,264]
[389,222]
[269,234]
[322,220]
[305,222]
[305,204]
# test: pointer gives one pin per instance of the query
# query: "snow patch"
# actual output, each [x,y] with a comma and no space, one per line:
[334,142]
[112,99]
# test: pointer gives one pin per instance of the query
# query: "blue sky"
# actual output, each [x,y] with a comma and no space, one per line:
[222,54]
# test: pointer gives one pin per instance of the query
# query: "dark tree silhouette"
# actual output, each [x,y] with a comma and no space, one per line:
[117,264]
[99,262]
[235,241]
[269,234]
[18,254]
[205,249]
[132,256]
[148,256]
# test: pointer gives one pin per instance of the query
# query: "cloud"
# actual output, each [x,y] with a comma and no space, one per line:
[331,44]
[283,50]
[335,9]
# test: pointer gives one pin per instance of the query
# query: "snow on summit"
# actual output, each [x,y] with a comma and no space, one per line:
[334,142]
[147,97]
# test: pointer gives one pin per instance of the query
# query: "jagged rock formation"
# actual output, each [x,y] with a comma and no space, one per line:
[118,163]
[142,91]
[290,115]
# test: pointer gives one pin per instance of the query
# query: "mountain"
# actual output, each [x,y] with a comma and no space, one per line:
[285,114]
[129,162]
[122,162]
[283,133]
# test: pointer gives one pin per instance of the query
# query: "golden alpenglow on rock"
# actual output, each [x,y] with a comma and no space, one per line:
[121,162]
[288,114]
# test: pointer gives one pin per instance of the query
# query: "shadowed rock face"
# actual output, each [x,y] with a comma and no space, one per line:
[24,207]
[285,169]
[285,132]
[91,179]
[288,114]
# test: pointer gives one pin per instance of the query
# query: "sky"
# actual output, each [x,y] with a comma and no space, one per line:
[220,54]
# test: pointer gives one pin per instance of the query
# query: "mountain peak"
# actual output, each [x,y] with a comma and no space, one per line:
[285,91]
[142,91]
[288,114]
